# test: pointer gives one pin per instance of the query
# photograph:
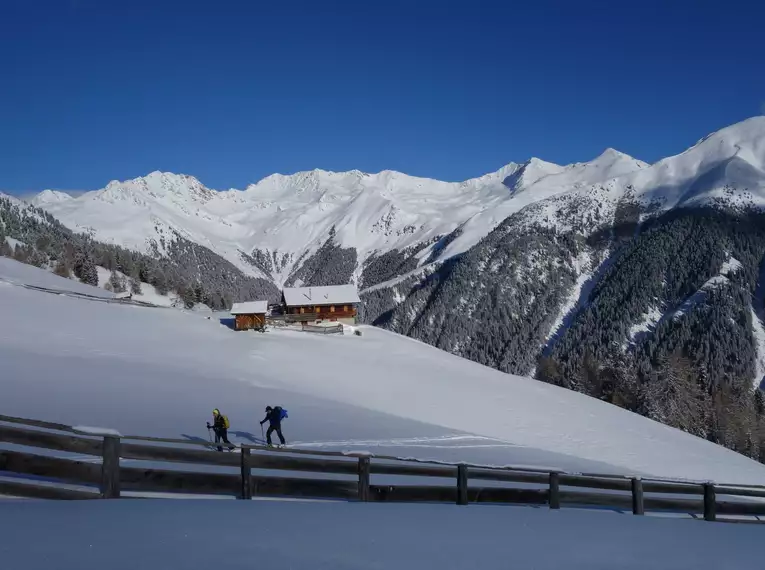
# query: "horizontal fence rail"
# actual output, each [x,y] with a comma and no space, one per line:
[104,469]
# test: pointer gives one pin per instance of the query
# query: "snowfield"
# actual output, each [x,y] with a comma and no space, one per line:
[125,535]
[160,371]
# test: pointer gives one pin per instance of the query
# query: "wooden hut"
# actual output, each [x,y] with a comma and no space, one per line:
[250,315]
[335,303]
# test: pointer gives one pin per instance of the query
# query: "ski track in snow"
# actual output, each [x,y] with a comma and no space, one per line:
[454,442]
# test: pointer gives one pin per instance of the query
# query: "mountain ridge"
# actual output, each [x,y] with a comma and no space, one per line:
[290,216]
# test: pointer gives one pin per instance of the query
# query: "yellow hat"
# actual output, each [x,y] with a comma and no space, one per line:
[216,411]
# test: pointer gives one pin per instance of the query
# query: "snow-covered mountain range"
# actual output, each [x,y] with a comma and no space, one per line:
[287,218]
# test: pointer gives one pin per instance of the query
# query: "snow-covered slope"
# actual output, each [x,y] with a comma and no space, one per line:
[161,372]
[286,217]
[175,535]
[14,273]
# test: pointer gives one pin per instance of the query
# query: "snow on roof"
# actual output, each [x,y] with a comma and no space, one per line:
[249,308]
[331,295]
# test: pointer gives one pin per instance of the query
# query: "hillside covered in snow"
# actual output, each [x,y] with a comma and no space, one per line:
[160,371]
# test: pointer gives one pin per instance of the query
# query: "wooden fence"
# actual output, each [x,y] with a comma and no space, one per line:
[111,473]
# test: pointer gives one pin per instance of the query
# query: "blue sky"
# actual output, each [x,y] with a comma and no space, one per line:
[232,91]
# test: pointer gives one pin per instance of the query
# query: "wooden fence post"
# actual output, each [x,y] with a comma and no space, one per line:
[364,474]
[637,496]
[462,484]
[710,502]
[246,478]
[110,468]
[554,490]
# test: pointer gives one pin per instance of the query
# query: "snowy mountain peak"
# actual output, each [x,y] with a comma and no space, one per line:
[308,180]
[156,185]
[615,163]
[611,156]
[50,197]
[745,140]
[530,172]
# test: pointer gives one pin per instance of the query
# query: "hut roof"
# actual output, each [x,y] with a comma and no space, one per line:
[249,308]
[331,295]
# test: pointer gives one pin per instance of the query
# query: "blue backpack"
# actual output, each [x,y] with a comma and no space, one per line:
[282,414]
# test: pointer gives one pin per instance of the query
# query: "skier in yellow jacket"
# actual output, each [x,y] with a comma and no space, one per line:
[220,427]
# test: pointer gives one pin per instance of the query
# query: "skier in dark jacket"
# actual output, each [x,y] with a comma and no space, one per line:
[220,427]
[274,419]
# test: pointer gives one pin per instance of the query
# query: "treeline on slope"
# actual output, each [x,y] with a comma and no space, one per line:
[268,263]
[675,392]
[331,264]
[694,369]
[496,303]
[381,267]
[194,273]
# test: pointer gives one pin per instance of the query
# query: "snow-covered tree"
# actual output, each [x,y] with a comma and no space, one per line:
[85,269]
[117,282]
[135,286]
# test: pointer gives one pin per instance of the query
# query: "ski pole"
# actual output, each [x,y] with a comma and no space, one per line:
[262,433]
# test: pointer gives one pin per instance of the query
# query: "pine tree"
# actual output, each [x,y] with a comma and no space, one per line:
[109,260]
[159,281]
[549,371]
[117,282]
[673,396]
[43,243]
[187,295]
[84,268]
[590,379]
[36,258]
[759,402]
[620,382]
[135,286]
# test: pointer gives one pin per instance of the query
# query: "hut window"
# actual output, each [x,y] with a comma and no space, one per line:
[332,309]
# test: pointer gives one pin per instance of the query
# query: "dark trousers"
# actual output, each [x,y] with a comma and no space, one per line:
[221,434]
[278,430]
